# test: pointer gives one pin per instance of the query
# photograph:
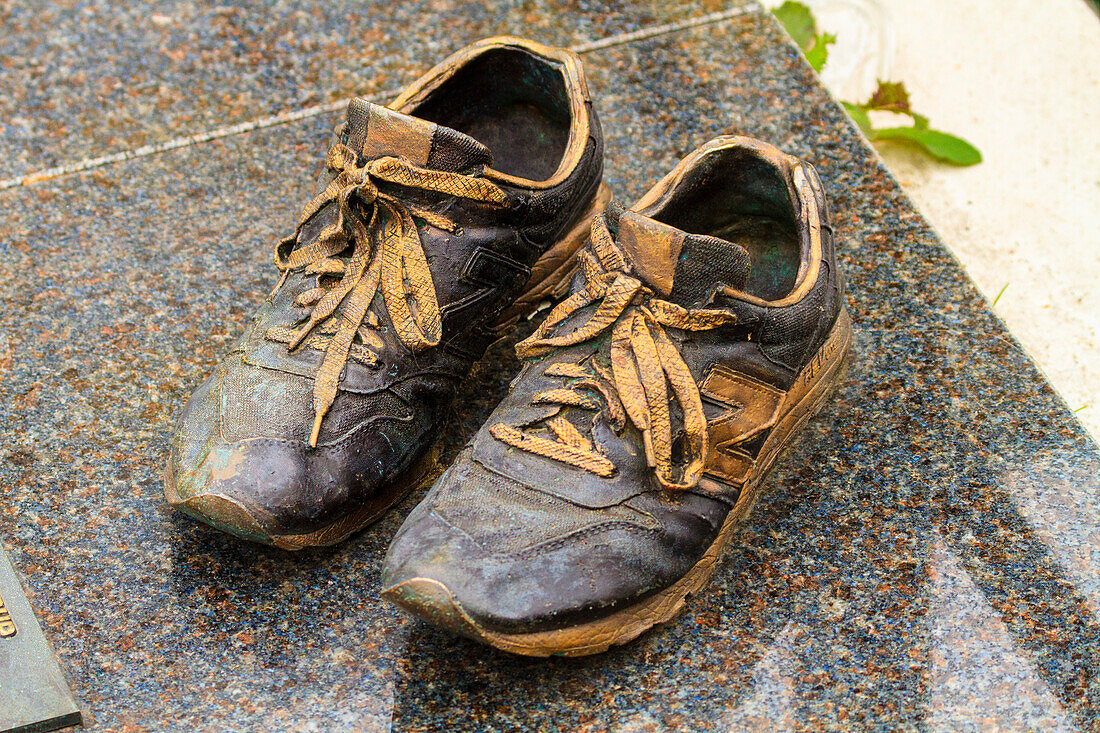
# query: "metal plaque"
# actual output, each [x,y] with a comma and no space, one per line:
[33,694]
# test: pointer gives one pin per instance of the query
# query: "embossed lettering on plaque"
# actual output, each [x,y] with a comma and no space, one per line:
[7,625]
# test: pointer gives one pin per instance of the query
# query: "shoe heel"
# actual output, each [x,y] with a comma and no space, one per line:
[820,378]
[552,272]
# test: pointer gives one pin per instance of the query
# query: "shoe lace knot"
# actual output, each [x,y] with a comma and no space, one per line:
[385,254]
[639,367]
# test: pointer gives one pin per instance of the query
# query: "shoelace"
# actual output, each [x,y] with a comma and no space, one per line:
[644,362]
[386,254]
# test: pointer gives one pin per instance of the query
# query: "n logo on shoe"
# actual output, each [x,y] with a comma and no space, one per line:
[749,407]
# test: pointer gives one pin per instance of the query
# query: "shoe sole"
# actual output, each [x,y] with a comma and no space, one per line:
[549,279]
[434,602]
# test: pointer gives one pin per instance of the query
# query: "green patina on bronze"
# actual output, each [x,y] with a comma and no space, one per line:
[33,693]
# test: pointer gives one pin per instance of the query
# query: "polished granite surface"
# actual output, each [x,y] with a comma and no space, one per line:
[924,558]
[91,77]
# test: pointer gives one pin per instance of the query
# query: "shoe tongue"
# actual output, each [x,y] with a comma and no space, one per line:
[374,131]
[678,264]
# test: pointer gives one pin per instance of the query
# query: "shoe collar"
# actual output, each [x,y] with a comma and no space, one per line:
[567,63]
[801,182]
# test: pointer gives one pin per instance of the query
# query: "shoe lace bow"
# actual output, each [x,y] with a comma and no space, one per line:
[644,363]
[386,254]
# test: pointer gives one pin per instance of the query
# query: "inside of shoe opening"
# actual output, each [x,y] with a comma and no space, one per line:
[514,103]
[736,196]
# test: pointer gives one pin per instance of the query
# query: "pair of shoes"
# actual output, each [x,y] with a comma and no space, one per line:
[703,327]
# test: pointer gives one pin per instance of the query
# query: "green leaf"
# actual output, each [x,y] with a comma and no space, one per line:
[859,114]
[894,97]
[939,145]
[890,96]
[799,23]
[819,54]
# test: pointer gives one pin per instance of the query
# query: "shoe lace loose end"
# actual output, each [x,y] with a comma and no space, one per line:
[386,255]
[646,375]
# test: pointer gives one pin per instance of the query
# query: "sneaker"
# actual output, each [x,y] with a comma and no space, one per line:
[706,326]
[443,217]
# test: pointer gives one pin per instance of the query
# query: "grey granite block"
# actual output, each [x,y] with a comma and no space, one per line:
[83,79]
[922,558]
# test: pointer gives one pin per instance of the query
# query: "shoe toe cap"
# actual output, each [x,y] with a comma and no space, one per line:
[252,489]
[234,475]
[460,575]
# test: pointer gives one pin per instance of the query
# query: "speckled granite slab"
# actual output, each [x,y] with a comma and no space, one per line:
[85,78]
[923,559]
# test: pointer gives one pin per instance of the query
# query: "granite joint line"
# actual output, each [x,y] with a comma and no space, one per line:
[283,118]
[665,29]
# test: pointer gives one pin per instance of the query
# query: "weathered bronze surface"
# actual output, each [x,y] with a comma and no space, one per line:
[443,218]
[705,328]
[33,693]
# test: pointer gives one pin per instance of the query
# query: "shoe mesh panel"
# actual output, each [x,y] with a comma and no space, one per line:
[789,333]
[706,262]
[454,152]
[280,405]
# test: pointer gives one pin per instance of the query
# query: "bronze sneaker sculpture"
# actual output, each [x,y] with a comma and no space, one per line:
[707,326]
[447,214]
